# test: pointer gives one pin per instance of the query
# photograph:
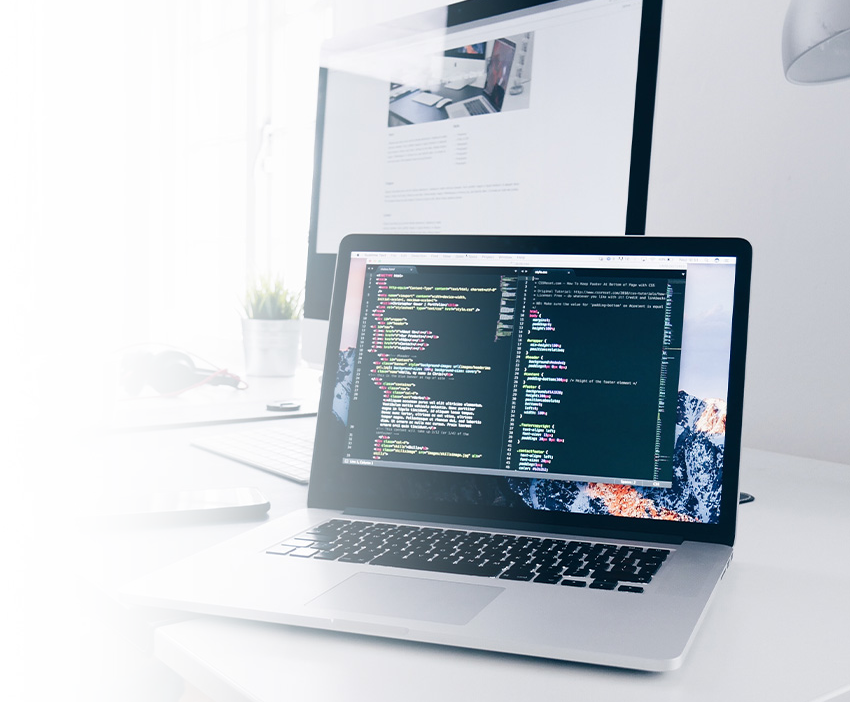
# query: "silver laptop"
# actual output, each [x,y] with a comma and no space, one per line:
[524,444]
[496,83]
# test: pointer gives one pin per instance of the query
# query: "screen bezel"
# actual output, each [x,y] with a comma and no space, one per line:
[332,481]
[320,266]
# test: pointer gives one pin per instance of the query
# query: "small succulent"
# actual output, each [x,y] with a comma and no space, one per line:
[268,298]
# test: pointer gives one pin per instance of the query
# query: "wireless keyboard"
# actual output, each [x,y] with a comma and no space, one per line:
[276,447]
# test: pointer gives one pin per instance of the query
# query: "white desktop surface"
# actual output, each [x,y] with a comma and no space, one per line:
[215,404]
[779,628]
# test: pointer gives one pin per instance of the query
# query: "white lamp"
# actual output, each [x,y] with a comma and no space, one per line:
[816,41]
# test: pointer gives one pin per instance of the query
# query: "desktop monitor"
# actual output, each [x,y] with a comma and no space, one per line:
[559,142]
[464,65]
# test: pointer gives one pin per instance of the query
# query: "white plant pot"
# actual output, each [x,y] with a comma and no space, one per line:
[272,346]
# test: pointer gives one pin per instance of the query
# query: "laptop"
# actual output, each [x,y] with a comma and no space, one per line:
[525,444]
[495,85]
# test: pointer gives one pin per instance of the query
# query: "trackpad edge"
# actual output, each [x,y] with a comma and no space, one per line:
[399,596]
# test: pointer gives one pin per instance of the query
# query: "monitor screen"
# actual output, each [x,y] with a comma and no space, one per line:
[477,50]
[516,117]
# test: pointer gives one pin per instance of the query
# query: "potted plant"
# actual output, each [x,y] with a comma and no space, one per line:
[271,328]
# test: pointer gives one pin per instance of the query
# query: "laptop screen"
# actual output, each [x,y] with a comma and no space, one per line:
[586,383]
[498,71]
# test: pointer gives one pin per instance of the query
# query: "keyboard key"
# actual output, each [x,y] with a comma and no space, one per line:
[318,536]
[603,585]
[651,567]
[517,574]
[304,552]
[573,583]
[616,576]
[305,540]
[330,555]
[356,558]
[281,550]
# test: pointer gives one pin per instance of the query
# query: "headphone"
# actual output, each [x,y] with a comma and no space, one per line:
[170,372]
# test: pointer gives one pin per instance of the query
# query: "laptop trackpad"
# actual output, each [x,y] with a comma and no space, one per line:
[409,598]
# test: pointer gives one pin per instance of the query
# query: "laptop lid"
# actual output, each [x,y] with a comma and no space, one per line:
[564,384]
[499,72]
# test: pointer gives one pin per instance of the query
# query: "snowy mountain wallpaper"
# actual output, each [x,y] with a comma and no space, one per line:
[694,495]
[698,469]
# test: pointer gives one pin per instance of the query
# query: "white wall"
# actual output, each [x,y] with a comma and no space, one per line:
[61,208]
[739,151]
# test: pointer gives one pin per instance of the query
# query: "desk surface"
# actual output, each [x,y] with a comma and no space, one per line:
[771,633]
[409,111]
[216,404]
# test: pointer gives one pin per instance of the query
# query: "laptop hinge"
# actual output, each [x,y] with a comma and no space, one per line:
[514,526]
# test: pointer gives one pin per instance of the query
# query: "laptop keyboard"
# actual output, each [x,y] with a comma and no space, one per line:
[566,562]
[475,107]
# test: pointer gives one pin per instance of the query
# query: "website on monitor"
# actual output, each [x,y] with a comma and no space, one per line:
[452,130]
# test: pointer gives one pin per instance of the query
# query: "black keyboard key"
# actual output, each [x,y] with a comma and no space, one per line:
[573,583]
[603,585]
[517,574]
[629,588]
[330,555]
[622,576]
[499,563]
[331,527]
[650,568]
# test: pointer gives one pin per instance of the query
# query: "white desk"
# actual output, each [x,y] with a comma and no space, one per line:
[772,632]
[215,404]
